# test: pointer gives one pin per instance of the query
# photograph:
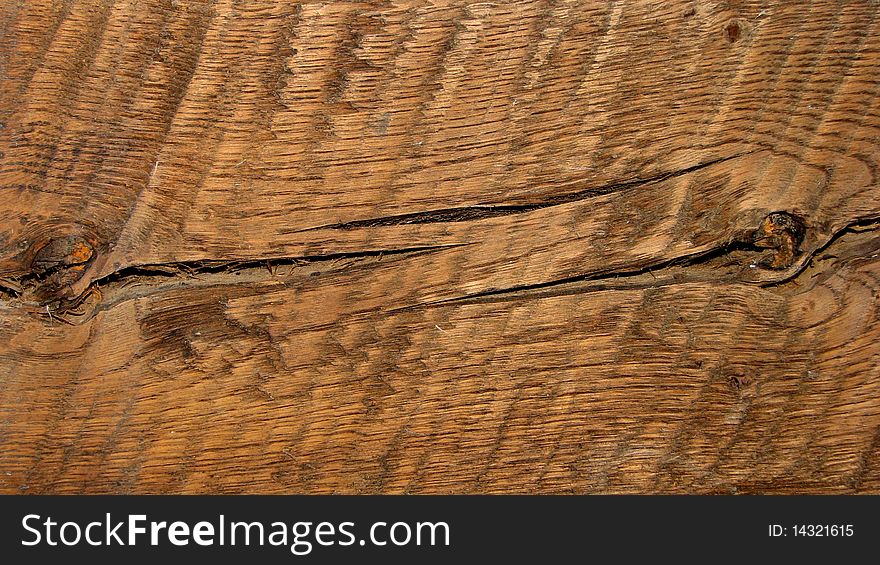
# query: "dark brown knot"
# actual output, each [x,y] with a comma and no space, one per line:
[782,233]
[59,263]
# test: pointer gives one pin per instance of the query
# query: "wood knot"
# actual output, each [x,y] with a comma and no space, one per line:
[62,252]
[58,263]
[782,233]
[732,31]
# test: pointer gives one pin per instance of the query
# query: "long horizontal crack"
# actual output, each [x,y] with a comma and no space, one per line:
[62,261]
[484,211]
[209,266]
[778,237]
[611,280]
[158,275]
[719,268]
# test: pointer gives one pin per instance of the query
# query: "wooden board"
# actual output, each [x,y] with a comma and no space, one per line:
[439,247]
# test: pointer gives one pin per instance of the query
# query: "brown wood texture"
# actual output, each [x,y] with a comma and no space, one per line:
[432,247]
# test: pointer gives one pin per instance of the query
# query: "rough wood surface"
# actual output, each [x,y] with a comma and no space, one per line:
[406,246]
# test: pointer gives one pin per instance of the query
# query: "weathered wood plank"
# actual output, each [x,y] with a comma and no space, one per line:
[439,247]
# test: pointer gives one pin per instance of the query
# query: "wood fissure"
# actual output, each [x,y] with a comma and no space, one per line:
[478,212]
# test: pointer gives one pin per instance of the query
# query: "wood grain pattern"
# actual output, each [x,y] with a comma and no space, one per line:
[413,246]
